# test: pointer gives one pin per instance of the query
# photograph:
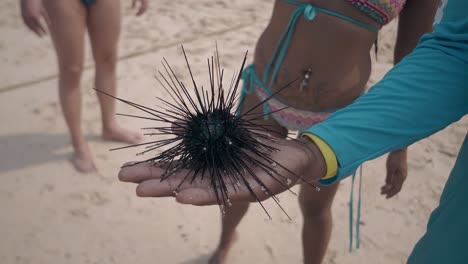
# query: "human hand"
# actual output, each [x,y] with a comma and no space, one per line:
[397,170]
[34,15]
[142,6]
[296,161]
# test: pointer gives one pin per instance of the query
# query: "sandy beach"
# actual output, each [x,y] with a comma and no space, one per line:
[51,214]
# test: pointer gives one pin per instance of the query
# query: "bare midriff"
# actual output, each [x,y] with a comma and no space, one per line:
[336,51]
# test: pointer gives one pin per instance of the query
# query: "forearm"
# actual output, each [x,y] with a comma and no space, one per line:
[423,94]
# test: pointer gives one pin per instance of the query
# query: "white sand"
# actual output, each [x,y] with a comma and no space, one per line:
[52,214]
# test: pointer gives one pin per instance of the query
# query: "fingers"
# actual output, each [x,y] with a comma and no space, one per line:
[397,185]
[393,185]
[46,17]
[142,8]
[34,21]
[34,25]
[198,192]
[387,188]
[157,188]
[41,27]
[149,176]
[241,192]
[38,29]
[140,172]
[396,173]
[200,197]
[207,196]
[179,185]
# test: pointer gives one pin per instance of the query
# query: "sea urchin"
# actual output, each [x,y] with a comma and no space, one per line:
[207,136]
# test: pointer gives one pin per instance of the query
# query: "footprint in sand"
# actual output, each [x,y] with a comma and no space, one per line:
[184,236]
[48,112]
[94,197]
[47,188]
[79,213]
[76,197]
[98,199]
[269,250]
[67,255]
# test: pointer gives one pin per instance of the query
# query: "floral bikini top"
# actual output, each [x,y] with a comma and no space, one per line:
[383,11]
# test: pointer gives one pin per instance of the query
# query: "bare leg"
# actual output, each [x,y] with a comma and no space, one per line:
[104,31]
[230,221]
[316,210]
[68,26]
[236,212]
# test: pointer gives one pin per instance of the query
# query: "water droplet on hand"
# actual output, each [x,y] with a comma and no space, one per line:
[223,212]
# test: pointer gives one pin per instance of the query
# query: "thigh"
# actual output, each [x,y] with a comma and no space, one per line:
[104,28]
[67,28]
[314,202]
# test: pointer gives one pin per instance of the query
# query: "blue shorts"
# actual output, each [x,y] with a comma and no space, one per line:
[88,2]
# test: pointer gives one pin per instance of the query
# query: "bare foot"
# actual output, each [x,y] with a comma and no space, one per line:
[117,133]
[83,162]
[219,256]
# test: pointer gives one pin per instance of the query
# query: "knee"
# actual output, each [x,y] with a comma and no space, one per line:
[316,210]
[317,214]
[71,71]
[105,60]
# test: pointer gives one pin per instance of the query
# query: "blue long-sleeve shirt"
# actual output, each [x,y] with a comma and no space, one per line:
[424,93]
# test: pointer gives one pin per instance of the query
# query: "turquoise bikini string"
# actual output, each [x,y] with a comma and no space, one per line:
[335,14]
[309,11]
[351,211]
[284,42]
[358,220]
[250,78]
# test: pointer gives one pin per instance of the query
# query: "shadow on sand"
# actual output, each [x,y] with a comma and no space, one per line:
[25,150]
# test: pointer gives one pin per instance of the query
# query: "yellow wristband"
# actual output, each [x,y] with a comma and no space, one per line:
[328,155]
